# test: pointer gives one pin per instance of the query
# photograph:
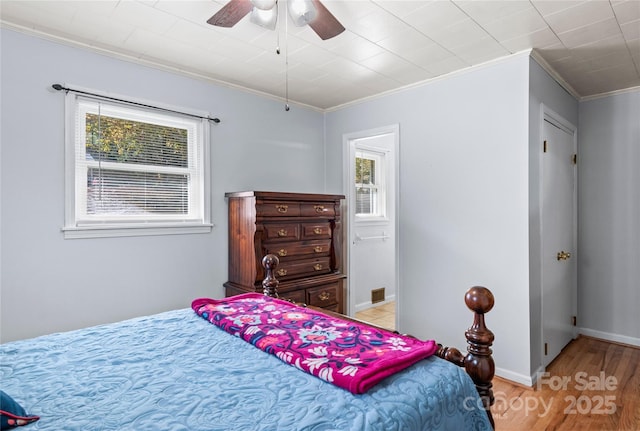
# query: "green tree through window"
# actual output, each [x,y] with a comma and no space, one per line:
[365,183]
[127,141]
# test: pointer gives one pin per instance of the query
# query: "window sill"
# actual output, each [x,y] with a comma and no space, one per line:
[371,221]
[109,231]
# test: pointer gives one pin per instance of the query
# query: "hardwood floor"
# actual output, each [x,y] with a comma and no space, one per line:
[592,385]
[382,315]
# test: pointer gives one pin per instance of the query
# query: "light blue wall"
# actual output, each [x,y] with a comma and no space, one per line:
[463,215]
[543,89]
[609,217]
[467,197]
[51,284]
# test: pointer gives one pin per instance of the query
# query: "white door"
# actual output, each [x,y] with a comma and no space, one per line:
[371,196]
[558,237]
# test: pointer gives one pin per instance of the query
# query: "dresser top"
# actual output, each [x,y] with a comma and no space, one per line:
[284,196]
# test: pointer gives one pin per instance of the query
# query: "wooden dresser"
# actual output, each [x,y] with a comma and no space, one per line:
[303,230]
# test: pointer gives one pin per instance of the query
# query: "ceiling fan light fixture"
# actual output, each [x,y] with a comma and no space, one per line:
[264,4]
[264,18]
[301,11]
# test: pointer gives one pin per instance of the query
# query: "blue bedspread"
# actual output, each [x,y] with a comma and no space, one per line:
[174,371]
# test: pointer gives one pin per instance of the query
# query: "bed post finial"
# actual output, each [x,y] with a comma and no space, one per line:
[270,283]
[479,362]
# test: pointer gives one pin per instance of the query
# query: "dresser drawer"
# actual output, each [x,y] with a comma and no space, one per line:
[335,308]
[278,209]
[282,231]
[316,230]
[297,296]
[317,210]
[299,268]
[298,249]
[323,296]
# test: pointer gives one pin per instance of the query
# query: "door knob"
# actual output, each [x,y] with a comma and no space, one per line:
[563,255]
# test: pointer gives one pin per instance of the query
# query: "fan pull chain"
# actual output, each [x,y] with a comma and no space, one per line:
[277,29]
[286,61]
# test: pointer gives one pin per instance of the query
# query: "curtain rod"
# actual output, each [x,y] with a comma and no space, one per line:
[59,87]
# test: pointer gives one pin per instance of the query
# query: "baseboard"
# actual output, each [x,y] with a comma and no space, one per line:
[366,305]
[515,377]
[616,338]
[530,381]
[537,374]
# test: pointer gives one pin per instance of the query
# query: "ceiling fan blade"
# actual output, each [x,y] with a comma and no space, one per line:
[325,24]
[231,13]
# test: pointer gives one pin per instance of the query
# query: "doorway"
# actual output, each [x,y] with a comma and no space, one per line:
[371,191]
[559,222]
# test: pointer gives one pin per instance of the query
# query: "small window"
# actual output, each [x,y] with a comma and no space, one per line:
[134,171]
[369,185]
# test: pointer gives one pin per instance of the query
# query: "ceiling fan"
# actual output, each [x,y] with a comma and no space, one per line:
[265,13]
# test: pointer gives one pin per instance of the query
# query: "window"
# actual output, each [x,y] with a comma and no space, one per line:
[369,184]
[134,171]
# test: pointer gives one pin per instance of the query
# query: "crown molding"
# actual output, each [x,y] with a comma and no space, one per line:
[535,55]
[149,63]
[430,80]
[611,93]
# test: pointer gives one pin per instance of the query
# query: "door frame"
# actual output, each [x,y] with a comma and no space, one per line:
[552,117]
[348,173]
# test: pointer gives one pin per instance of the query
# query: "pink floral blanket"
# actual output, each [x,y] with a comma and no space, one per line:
[350,355]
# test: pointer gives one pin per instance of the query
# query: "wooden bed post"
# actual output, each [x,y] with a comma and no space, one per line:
[270,283]
[479,363]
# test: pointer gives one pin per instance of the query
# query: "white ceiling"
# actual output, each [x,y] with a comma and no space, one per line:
[594,46]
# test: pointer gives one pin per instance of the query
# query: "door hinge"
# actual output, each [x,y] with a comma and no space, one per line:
[544,146]
[546,349]
[575,159]
[574,320]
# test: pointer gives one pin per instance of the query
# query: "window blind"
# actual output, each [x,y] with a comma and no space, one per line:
[136,165]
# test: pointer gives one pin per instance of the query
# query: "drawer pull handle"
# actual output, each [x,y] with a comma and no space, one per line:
[282,232]
[282,208]
[282,252]
[317,230]
[317,266]
[324,296]
[319,208]
[282,272]
[318,249]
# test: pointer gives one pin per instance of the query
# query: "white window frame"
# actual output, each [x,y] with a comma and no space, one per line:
[379,156]
[79,224]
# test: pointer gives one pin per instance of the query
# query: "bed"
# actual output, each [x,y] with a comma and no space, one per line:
[176,371]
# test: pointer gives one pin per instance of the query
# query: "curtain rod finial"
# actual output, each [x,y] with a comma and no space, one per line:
[57,87]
